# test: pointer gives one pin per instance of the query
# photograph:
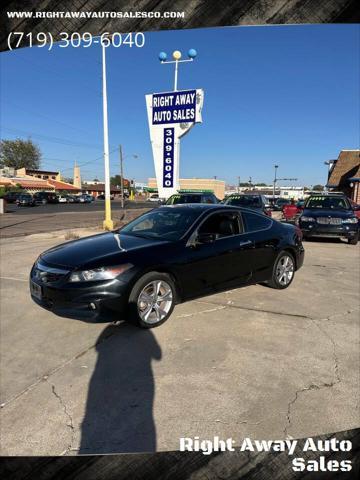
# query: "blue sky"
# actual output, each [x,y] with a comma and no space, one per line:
[287,95]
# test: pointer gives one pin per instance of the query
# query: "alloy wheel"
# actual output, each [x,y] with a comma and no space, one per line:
[155,301]
[285,270]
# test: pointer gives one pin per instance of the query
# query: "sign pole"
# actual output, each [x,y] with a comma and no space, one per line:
[171,115]
[121,176]
[108,224]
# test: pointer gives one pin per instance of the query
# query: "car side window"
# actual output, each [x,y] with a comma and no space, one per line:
[254,222]
[208,199]
[221,224]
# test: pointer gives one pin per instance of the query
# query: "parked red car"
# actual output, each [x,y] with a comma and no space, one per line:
[290,211]
[356,208]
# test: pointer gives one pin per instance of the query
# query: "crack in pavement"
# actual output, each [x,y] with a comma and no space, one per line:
[70,423]
[260,310]
[185,315]
[314,386]
[44,377]
[341,314]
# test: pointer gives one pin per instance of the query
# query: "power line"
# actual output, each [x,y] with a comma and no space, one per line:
[90,161]
[32,112]
[46,138]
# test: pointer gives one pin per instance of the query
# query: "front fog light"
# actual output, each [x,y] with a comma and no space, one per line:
[103,273]
[352,220]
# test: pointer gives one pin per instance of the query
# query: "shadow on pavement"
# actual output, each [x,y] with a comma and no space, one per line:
[119,407]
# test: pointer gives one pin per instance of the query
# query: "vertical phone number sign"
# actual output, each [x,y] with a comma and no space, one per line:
[168,167]
[171,115]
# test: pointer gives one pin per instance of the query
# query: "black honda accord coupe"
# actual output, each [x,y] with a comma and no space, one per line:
[167,256]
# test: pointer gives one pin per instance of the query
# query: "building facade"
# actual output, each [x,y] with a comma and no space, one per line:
[344,174]
[196,185]
[41,174]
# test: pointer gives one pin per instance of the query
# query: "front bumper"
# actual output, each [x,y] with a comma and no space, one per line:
[312,229]
[106,294]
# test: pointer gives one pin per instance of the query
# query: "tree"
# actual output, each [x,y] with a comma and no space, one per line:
[19,154]
[319,188]
[116,181]
[68,180]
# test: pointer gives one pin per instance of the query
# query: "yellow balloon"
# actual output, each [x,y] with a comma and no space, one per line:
[176,55]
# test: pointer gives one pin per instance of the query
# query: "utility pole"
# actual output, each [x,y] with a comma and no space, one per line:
[108,224]
[121,176]
[238,184]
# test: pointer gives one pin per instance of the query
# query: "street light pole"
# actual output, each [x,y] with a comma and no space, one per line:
[177,59]
[108,224]
[121,176]
[176,75]
[275,180]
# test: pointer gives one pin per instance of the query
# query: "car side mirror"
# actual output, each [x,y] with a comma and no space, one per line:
[204,238]
[356,208]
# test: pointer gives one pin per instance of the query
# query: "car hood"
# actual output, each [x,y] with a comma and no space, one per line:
[104,247]
[322,212]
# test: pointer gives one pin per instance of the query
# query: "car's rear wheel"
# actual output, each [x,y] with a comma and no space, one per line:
[152,300]
[283,271]
[354,240]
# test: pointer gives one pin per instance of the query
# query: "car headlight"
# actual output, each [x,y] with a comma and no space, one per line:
[350,220]
[307,219]
[103,273]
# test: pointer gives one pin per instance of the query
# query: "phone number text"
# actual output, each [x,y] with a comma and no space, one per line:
[65,39]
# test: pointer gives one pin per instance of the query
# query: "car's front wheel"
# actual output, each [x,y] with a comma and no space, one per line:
[283,271]
[354,240]
[152,300]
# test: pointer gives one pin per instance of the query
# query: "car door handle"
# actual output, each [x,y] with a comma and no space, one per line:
[246,242]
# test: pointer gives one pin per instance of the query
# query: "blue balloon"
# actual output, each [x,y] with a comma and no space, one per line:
[192,53]
[162,56]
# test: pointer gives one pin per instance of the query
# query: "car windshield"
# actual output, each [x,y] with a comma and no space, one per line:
[25,197]
[176,199]
[166,224]
[327,202]
[245,201]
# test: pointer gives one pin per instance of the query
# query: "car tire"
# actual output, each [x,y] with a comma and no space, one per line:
[354,241]
[283,271]
[144,307]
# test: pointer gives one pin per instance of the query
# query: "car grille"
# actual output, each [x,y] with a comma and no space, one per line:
[46,274]
[329,221]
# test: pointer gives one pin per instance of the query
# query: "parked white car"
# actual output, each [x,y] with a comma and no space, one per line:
[154,197]
[62,199]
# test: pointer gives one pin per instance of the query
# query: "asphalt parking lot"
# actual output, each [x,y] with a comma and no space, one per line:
[20,221]
[249,362]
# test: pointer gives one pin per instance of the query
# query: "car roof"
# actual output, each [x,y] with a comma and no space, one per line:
[245,193]
[326,195]
[183,194]
[203,207]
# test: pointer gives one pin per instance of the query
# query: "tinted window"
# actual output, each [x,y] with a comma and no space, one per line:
[252,201]
[209,199]
[168,224]
[221,224]
[323,201]
[255,222]
[176,199]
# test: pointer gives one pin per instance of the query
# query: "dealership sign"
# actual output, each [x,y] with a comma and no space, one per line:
[171,115]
